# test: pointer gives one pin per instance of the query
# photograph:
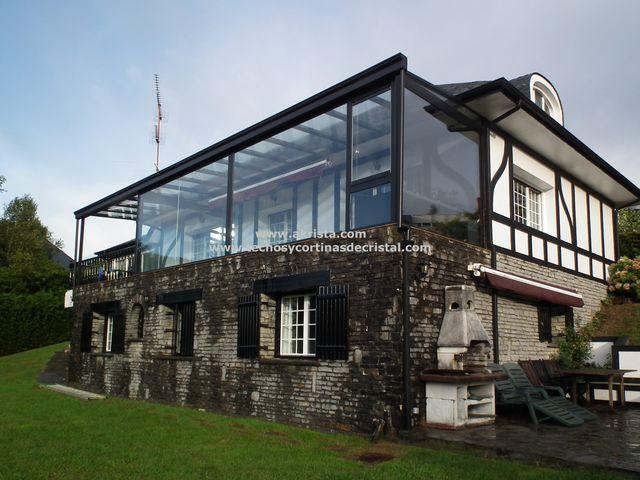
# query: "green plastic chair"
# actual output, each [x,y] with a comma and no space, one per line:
[554,393]
[537,401]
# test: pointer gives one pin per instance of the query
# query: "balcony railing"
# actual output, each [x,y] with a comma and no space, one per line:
[116,262]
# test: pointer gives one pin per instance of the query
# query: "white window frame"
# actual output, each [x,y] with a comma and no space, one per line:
[532,198]
[286,321]
[544,103]
[108,344]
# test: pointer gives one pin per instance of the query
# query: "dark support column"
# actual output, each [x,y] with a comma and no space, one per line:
[81,240]
[75,259]
[138,255]
[229,219]
[397,146]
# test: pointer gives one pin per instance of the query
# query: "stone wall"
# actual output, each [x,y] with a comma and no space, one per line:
[518,318]
[343,395]
[333,394]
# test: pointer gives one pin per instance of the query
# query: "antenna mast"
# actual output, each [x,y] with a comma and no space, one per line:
[159,121]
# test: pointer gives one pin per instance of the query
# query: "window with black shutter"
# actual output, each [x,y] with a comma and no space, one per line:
[114,331]
[550,315]
[184,322]
[249,326]
[86,332]
[332,322]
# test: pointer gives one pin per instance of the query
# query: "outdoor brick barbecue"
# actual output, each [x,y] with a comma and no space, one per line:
[460,392]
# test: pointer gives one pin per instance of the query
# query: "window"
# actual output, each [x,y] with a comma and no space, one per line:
[298,325]
[114,326]
[372,136]
[108,341]
[543,102]
[184,319]
[553,321]
[527,205]
[371,206]
[280,230]
[441,174]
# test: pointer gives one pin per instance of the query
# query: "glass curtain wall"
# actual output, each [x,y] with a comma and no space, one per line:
[284,188]
[185,220]
[371,161]
[292,184]
[441,177]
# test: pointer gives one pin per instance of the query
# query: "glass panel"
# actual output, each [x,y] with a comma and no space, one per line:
[372,136]
[292,183]
[441,178]
[185,220]
[371,206]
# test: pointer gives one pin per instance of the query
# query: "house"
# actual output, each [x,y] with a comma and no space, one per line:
[474,184]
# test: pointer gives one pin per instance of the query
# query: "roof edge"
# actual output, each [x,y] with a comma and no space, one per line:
[269,126]
[552,125]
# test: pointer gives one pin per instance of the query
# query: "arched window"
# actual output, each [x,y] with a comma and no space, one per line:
[546,97]
[139,309]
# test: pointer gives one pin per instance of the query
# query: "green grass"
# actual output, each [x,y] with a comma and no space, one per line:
[47,435]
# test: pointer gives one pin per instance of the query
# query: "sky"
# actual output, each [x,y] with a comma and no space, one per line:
[76,78]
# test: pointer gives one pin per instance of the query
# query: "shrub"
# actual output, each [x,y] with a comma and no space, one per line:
[624,278]
[574,349]
[629,244]
[32,321]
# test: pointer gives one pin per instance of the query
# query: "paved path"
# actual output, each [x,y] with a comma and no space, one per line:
[612,441]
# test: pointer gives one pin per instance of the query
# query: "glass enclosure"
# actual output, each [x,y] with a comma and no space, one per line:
[292,184]
[301,181]
[441,177]
[184,220]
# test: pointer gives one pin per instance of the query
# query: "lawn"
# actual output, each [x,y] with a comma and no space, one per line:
[47,435]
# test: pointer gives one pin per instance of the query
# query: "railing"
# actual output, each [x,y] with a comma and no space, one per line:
[109,266]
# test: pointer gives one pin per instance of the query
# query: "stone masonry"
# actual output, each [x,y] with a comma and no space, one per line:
[340,395]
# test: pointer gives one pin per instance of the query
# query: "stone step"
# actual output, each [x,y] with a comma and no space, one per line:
[73,392]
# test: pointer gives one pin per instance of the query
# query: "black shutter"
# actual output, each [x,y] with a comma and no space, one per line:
[188,311]
[86,331]
[117,342]
[544,323]
[249,326]
[332,322]
[568,319]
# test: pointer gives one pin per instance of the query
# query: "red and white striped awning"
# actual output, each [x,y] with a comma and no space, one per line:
[528,287]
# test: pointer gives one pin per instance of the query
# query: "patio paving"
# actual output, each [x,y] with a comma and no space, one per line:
[611,442]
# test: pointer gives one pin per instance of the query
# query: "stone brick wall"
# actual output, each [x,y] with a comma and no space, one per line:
[343,395]
[332,394]
[429,274]
[518,318]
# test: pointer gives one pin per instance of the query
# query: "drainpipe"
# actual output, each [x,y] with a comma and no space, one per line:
[406,330]
[494,313]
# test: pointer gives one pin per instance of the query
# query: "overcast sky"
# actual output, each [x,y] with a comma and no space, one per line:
[76,78]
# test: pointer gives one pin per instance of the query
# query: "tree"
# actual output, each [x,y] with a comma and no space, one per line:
[629,232]
[2,180]
[628,220]
[26,249]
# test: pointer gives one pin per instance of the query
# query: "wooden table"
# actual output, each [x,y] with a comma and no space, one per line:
[579,375]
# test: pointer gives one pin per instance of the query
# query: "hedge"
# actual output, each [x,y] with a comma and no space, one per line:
[32,321]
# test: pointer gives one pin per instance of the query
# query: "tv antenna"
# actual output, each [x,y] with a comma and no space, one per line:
[158,121]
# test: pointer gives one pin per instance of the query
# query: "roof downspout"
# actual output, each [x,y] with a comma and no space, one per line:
[406,330]
[495,328]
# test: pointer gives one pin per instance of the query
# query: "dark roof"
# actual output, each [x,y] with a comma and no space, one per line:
[59,257]
[116,248]
[521,83]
